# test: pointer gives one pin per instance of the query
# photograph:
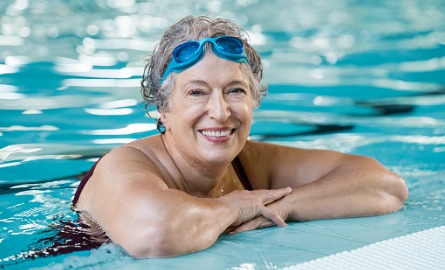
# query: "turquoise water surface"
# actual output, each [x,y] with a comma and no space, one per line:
[362,77]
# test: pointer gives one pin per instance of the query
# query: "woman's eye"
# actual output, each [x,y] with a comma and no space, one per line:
[196,92]
[238,91]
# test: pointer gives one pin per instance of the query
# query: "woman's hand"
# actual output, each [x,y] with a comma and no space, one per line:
[279,210]
[253,206]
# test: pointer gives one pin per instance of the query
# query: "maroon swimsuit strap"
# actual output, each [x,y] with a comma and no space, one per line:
[83,182]
[239,169]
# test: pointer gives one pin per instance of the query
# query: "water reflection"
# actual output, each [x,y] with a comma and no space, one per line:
[130,129]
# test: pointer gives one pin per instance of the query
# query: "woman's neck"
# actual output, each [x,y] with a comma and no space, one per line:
[196,177]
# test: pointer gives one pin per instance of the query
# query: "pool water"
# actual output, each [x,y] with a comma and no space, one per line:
[362,77]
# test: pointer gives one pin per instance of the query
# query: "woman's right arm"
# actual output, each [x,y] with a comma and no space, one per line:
[140,213]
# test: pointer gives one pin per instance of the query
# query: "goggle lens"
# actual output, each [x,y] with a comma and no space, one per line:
[185,51]
[230,44]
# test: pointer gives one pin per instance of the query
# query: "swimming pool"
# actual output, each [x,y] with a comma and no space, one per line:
[349,75]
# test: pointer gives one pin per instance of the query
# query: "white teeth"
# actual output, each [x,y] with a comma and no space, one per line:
[216,134]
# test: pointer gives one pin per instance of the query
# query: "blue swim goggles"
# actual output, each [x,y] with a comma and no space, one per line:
[191,52]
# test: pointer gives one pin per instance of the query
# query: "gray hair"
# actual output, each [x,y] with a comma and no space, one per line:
[194,28]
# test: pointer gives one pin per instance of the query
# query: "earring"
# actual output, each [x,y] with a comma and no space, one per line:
[160,126]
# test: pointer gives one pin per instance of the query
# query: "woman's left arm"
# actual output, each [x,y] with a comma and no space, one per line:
[326,184]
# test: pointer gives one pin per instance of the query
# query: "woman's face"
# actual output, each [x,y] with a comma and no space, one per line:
[210,110]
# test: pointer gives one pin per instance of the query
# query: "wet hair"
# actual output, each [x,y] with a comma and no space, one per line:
[194,28]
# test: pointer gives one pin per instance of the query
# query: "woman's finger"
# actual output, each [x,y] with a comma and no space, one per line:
[258,222]
[251,204]
[272,216]
[267,218]
[275,194]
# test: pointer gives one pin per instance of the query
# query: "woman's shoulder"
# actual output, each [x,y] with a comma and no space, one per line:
[266,162]
[148,147]
[255,159]
[282,148]
[145,156]
[257,149]
[147,151]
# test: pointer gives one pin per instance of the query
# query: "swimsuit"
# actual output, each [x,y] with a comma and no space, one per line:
[236,163]
[241,173]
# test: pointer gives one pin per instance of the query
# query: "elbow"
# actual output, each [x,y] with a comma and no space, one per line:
[395,193]
[399,191]
[402,192]
[154,242]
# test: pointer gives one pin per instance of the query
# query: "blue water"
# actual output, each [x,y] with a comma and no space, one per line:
[363,77]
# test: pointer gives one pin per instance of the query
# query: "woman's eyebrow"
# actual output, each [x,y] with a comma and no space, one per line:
[196,82]
[228,84]
[237,82]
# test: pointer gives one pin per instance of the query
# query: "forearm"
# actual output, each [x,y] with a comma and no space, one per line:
[177,223]
[360,187]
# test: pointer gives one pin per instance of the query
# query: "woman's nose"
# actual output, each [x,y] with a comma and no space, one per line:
[218,107]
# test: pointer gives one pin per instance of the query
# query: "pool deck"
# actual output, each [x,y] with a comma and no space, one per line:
[421,250]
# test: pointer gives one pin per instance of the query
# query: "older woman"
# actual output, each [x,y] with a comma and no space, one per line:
[176,192]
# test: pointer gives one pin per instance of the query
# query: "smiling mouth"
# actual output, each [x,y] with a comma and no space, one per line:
[217,134]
